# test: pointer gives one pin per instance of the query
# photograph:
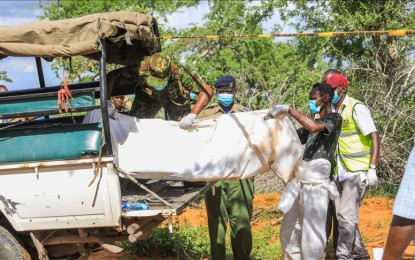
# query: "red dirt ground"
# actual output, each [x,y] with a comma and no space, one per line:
[374,220]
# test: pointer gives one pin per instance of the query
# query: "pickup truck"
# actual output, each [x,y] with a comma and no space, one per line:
[61,192]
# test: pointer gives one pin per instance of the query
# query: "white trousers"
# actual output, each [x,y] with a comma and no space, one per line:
[303,226]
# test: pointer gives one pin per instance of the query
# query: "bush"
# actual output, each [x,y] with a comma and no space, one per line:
[186,242]
[192,242]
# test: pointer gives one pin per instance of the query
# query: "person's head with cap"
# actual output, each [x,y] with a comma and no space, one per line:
[157,70]
[340,84]
[225,88]
[328,73]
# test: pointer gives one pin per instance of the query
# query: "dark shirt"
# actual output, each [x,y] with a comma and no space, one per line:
[322,144]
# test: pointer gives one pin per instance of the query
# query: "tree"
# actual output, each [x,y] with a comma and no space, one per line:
[381,69]
[3,76]
[63,9]
[267,72]
[263,68]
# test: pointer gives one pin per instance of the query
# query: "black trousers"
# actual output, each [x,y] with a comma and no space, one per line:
[332,224]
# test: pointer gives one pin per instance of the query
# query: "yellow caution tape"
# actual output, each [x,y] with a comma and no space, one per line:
[264,36]
[325,34]
[396,33]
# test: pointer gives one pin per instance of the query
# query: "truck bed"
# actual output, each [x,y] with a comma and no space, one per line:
[177,193]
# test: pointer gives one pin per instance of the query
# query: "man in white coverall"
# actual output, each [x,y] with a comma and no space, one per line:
[304,200]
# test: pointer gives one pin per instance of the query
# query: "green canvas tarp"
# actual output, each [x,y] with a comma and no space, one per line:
[129,37]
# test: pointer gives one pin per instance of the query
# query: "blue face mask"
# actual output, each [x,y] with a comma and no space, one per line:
[225,99]
[193,96]
[161,88]
[312,105]
[335,98]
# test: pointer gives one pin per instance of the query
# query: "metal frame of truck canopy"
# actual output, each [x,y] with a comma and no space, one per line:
[107,212]
[54,201]
[52,92]
[127,36]
[103,97]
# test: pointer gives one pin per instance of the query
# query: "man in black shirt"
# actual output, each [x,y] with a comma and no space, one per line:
[304,200]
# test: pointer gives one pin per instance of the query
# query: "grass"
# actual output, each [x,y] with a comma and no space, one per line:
[270,198]
[271,214]
[378,224]
[365,238]
[266,244]
[190,242]
[186,242]
[385,190]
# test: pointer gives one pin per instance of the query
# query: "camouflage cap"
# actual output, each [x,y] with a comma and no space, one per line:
[157,70]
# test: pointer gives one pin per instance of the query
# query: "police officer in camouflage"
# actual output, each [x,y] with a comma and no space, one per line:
[229,200]
[162,82]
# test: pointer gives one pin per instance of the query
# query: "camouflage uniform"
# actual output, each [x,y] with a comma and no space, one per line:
[231,201]
[174,98]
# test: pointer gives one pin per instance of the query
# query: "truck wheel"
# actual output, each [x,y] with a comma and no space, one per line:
[10,248]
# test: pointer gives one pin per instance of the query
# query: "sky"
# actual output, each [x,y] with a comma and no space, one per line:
[22,71]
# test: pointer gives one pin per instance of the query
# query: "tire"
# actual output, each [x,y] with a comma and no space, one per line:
[10,248]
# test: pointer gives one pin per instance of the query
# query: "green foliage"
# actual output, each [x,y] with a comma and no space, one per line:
[380,69]
[266,244]
[77,64]
[74,114]
[271,214]
[191,242]
[64,9]
[186,242]
[3,76]
[267,72]
[386,190]
[346,15]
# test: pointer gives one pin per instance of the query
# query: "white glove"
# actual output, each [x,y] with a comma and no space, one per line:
[187,121]
[372,179]
[111,110]
[278,110]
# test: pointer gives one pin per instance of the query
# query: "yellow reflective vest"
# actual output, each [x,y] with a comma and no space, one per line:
[353,146]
